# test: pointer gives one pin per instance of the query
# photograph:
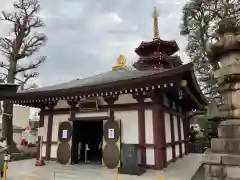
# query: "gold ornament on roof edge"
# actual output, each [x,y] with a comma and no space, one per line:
[121,63]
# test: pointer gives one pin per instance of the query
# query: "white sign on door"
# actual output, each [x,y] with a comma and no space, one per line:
[64,134]
[110,133]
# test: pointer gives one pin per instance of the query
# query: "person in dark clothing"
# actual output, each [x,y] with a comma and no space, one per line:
[192,135]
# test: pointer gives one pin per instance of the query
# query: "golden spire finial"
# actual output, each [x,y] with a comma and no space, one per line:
[155,25]
[121,63]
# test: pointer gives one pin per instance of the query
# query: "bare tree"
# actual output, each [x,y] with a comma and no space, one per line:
[21,43]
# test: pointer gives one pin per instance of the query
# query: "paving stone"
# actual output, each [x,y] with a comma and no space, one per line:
[210,158]
[182,169]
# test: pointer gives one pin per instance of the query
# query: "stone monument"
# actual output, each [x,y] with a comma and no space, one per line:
[222,160]
[130,164]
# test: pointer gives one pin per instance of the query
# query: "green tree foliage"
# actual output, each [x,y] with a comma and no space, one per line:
[21,42]
[199,22]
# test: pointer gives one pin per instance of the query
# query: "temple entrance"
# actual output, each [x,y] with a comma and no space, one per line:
[87,142]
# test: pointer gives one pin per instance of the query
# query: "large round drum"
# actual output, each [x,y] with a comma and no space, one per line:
[65,131]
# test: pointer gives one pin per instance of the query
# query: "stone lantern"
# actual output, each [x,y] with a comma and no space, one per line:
[222,160]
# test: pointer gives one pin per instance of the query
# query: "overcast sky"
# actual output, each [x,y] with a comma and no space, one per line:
[86,36]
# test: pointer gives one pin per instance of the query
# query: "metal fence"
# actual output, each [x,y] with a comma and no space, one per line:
[198,147]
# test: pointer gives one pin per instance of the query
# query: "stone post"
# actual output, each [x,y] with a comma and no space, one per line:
[222,161]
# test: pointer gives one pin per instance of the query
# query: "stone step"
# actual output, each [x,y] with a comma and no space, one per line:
[229,129]
[224,159]
[222,172]
[225,145]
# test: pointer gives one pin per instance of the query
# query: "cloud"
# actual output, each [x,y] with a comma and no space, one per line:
[86,37]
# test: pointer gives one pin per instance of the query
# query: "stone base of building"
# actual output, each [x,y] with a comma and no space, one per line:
[221,166]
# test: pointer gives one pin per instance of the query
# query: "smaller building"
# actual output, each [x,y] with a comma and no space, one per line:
[146,106]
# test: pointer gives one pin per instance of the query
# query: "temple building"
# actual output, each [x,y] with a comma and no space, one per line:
[146,106]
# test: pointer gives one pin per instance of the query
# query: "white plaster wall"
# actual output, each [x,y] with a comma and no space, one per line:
[150,159]
[44,150]
[91,114]
[149,127]
[129,124]
[147,100]
[177,150]
[169,153]
[54,151]
[175,124]
[64,104]
[167,127]
[125,98]
[61,104]
[183,148]
[101,101]
[45,127]
[182,130]
[57,119]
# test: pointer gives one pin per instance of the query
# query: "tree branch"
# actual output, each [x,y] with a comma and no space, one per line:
[4,66]
[31,66]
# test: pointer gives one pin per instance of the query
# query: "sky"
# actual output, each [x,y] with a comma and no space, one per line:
[85,37]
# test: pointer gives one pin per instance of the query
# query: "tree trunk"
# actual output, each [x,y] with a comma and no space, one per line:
[7,122]
[7,118]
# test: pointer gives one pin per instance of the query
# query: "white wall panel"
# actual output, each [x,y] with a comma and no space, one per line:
[177,150]
[125,99]
[61,104]
[57,119]
[149,127]
[92,114]
[169,153]
[167,127]
[183,148]
[175,121]
[129,124]
[150,159]
[182,129]
[45,127]
[54,148]
[44,150]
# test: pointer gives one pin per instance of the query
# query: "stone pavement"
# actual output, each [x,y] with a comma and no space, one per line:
[183,169]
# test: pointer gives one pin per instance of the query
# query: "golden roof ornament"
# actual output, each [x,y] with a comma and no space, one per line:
[155,25]
[121,63]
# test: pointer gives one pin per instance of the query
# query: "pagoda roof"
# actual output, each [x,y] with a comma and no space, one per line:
[116,80]
[167,47]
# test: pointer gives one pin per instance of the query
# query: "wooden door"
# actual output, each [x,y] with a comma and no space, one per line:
[64,142]
[111,144]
